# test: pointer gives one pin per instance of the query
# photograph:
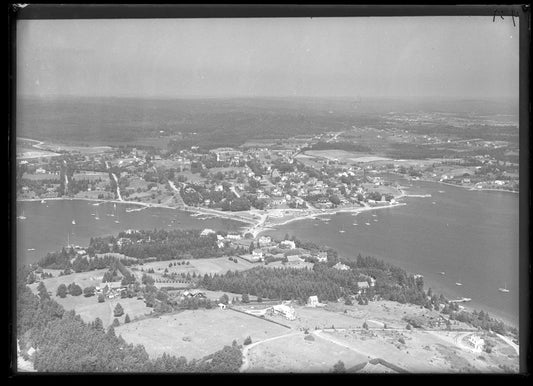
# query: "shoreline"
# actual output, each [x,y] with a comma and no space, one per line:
[470,188]
[261,225]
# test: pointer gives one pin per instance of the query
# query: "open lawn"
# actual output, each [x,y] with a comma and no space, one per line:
[218,265]
[419,351]
[88,307]
[296,354]
[196,333]
[83,279]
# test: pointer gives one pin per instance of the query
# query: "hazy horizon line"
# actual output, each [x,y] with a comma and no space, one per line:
[360,98]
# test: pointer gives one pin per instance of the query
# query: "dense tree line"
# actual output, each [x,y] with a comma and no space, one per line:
[167,245]
[287,283]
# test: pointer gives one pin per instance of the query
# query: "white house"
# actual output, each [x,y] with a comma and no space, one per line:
[257,254]
[206,232]
[284,310]
[477,343]
[222,306]
[342,267]
[288,244]
[312,301]
[264,240]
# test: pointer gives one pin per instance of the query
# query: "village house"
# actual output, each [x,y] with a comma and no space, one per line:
[207,232]
[342,267]
[264,241]
[322,257]
[294,259]
[363,286]
[284,310]
[257,254]
[477,343]
[312,301]
[288,244]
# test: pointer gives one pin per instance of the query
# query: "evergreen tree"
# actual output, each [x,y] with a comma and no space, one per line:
[98,325]
[116,323]
[118,311]
[127,319]
[339,367]
[62,291]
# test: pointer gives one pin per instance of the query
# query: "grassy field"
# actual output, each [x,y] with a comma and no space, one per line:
[88,307]
[296,354]
[218,265]
[196,333]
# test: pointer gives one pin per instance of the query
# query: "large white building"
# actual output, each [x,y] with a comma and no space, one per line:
[477,343]
[284,310]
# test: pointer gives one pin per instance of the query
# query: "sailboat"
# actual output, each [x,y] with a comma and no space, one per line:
[459,283]
[73,222]
[96,216]
[22,217]
[504,289]
[116,221]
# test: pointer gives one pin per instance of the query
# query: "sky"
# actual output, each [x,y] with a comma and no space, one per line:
[458,57]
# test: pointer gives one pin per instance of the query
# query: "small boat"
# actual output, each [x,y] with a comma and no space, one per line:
[443,273]
[367,223]
[374,215]
[462,300]
[73,222]
[31,249]
[22,217]
[43,202]
[504,289]
[433,202]
[354,223]
[458,283]
[342,231]
[93,214]
[375,220]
